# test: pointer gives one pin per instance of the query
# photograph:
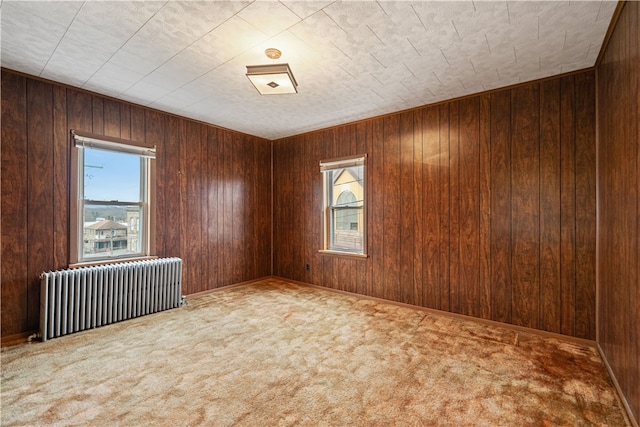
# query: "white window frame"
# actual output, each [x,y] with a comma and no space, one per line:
[80,140]
[327,205]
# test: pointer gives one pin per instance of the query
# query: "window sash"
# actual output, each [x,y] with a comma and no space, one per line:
[330,231]
[143,242]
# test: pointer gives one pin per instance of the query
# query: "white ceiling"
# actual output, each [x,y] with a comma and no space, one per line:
[352,59]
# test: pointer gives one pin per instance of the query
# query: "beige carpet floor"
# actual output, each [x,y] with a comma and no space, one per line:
[280,354]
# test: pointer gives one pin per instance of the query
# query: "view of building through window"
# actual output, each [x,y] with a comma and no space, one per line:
[113,203]
[347,219]
[344,205]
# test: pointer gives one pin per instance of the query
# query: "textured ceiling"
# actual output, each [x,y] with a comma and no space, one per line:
[352,60]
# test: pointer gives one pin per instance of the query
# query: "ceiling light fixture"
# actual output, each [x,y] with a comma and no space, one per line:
[272,79]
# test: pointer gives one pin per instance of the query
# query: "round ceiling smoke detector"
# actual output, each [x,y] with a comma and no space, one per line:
[272,53]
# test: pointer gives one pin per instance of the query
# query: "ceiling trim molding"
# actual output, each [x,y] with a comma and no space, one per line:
[122,101]
[487,92]
[610,30]
[445,101]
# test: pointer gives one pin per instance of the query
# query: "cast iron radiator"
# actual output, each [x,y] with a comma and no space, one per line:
[73,300]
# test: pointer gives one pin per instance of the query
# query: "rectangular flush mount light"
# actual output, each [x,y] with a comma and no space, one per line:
[272,79]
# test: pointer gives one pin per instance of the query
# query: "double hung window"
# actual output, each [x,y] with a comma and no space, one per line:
[344,205]
[112,203]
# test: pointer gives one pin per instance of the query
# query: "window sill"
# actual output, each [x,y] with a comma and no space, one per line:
[110,261]
[343,254]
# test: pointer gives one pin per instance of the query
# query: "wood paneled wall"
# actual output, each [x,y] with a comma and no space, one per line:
[484,206]
[618,81]
[213,191]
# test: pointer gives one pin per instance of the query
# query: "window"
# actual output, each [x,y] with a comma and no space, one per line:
[112,208]
[344,205]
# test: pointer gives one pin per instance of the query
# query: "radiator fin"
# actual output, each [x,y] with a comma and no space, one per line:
[73,300]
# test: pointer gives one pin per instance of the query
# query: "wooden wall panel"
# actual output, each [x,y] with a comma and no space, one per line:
[312,205]
[125,121]
[377,176]
[97,116]
[586,216]
[390,185]
[550,302]
[484,239]
[212,186]
[444,241]
[61,147]
[408,226]
[501,206]
[194,198]
[417,230]
[454,208]
[112,118]
[431,156]
[618,152]
[469,155]
[364,273]
[466,203]
[567,206]
[14,294]
[40,245]
[194,163]
[525,205]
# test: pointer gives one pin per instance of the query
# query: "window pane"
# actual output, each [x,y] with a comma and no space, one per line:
[112,231]
[111,176]
[348,233]
[346,202]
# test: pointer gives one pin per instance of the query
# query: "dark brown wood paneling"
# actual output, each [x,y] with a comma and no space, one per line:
[525,205]
[391,208]
[61,147]
[36,120]
[454,207]
[14,205]
[40,218]
[567,206]
[376,238]
[469,185]
[550,302]
[364,144]
[139,131]
[192,250]
[407,208]
[283,208]
[125,121]
[296,224]
[586,199]
[445,208]
[618,153]
[417,230]
[501,207]
[225,221]
[431,158]
[212,186]
[79,110]
[249,169]
[171,185]
[264,207]
[328,262]
[313,192]
[484,243]
[97,117]
[112,118]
